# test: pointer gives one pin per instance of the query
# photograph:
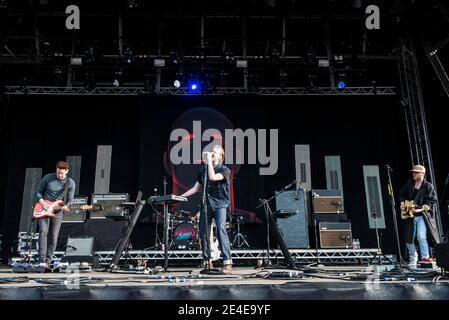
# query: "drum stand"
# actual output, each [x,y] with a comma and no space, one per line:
[241,241]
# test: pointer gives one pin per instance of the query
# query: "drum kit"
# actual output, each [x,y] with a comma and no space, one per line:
[185,230]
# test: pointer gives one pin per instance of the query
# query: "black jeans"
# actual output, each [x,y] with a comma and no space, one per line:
[48,236]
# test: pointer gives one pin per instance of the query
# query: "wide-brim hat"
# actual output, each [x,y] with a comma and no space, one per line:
[418,168]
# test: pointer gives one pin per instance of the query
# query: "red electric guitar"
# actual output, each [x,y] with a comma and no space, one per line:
[56,206]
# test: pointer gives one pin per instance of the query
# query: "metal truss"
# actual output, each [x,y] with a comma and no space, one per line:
[127,91]
[327,256]
[415,115]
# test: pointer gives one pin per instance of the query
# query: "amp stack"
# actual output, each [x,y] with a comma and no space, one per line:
[330,220]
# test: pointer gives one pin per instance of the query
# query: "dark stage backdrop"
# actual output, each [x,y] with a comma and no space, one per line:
[39,131]
[362,130]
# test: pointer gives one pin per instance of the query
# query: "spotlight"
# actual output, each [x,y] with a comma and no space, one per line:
[89,82]
[310,87]
[58,77]
[223,78]
[242,63]
[283,79]
[158,62]
[76,61]
[194,86]
[229,56]
[89,55]
[128,55]
[176,57]
[208,83]
[253,83]
[341,84]
[177,83]
[148,83]
[117,82]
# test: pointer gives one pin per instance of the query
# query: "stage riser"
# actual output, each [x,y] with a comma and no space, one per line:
[300,256]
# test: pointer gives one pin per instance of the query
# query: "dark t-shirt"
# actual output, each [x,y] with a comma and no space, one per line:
[217,192]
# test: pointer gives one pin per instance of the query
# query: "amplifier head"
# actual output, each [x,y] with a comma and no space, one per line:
[110,202]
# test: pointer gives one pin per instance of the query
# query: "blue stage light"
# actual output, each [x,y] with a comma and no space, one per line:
[341,84]
[194,85]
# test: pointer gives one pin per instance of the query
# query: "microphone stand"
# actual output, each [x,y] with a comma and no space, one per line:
[393,211]
[206,224]
[270,219]
[443,193]
[165,185]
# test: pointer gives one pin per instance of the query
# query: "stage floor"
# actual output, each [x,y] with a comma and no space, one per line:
[245,283]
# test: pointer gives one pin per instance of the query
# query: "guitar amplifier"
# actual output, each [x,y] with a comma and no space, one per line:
[335,235]
[110,204]
[327,201]
[75,215]
[79,250]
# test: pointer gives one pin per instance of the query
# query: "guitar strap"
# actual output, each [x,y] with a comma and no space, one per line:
[66,189]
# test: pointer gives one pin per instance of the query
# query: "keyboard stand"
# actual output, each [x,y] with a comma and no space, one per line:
[166,201]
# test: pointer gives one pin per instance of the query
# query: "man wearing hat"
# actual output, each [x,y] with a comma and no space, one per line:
[424,196]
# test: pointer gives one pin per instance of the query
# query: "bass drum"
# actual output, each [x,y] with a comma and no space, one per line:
[185,237]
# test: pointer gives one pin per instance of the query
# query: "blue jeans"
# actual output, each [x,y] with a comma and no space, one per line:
[48,236]
[219,215]
[419,231]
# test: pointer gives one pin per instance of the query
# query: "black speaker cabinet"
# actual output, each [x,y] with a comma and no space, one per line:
[292,219]
[442,255]
[79,250]
[335,235]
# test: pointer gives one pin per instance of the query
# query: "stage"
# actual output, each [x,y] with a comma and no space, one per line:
[245,283]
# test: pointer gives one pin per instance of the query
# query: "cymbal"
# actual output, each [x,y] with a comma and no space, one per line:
[186,213]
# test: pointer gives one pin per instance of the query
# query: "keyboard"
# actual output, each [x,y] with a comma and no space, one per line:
[169,198]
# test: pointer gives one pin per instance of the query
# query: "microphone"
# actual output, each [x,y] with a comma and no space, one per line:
[291,184]
[388,168]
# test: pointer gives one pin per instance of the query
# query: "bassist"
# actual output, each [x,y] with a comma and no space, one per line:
[53,187]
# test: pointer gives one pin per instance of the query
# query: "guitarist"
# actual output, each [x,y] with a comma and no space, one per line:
[424,196]
[53,186]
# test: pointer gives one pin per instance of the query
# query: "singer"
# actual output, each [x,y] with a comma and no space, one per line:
[218,202]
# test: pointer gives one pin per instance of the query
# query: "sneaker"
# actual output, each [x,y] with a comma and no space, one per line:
[207,265]
[44,265]
[227,269]
[413,261]
[425,260]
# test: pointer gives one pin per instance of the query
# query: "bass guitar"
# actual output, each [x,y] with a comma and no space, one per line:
[54,207]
